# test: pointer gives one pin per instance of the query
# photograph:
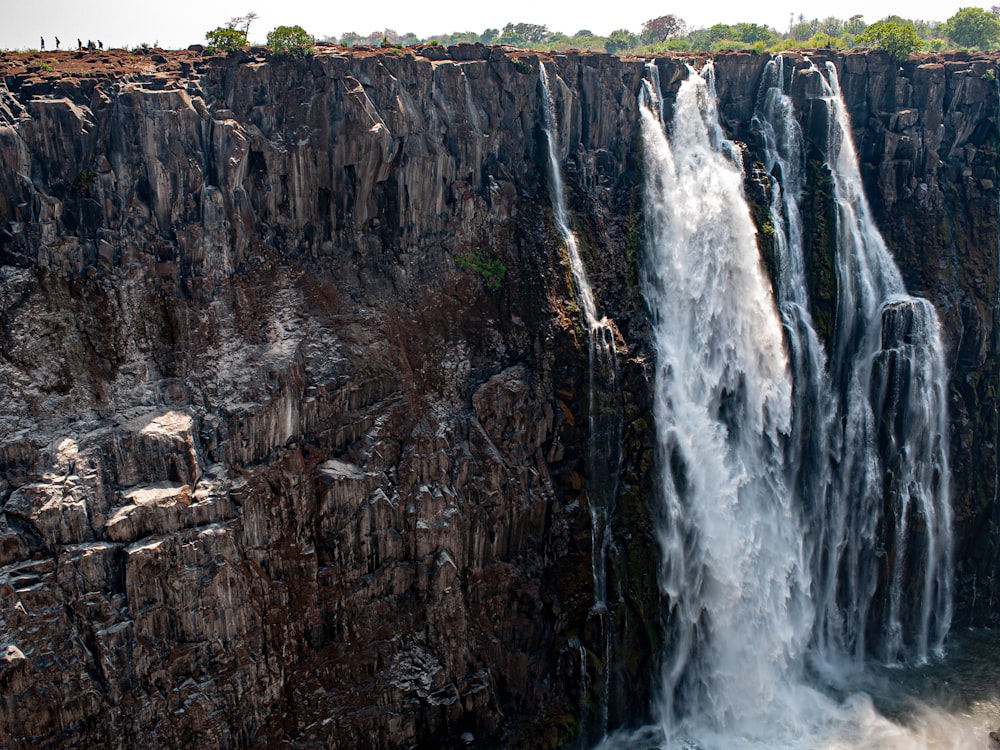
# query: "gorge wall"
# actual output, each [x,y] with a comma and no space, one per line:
[294,414]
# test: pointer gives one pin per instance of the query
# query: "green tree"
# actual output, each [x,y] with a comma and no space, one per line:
[754,32]
[831,26]
[510,37]
[532,33]
[899,41]
[700,39]
[803,30]
[620,39]
[721,31]
[973,27]
[226,39]
[662,28]
[922,28]
[289,40]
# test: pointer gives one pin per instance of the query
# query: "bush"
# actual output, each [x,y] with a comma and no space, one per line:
[226,39]
[620,39]
[719,45]
[489,268]
[290,40]
[822,40]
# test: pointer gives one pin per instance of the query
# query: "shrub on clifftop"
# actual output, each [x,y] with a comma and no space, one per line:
[290,40]
[226,39]
[898,40]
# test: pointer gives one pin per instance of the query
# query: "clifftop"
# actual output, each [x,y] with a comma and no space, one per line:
[51,67]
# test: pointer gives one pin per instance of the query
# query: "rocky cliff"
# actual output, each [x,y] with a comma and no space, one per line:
[294,414]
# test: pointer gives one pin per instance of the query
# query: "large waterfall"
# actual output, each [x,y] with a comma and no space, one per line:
[870,442]
[734,568]
[804,489]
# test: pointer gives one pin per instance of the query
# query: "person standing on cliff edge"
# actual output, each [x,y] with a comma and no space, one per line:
[57,42]
[43,44]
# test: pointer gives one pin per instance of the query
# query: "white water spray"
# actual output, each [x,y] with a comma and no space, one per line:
[894,549]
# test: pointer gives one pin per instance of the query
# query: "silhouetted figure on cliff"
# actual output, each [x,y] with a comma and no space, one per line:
[57,42]
[43,44]
[100,44]
[79,44]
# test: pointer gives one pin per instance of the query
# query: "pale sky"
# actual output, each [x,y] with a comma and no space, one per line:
[177,23]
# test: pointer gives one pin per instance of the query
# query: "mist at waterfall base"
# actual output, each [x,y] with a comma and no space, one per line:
[805,522]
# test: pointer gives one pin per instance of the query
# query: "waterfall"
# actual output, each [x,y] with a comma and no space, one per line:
[805,518]
[892,534]
[870,426]
[604,411]
[807,456]
[734,565]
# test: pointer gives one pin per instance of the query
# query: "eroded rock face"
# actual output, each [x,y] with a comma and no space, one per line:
[279,465]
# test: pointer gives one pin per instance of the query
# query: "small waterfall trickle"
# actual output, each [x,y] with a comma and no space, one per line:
[603,402]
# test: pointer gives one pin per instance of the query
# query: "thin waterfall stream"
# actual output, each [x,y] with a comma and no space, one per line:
[603,402]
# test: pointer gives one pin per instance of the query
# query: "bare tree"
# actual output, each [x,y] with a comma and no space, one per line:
[244,21]
[662,28]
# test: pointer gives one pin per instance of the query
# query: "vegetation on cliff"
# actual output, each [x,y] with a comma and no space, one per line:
[289,40]
[233,35]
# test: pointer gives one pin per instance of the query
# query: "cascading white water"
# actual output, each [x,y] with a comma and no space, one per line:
[880,410]
[891,487]
[784,498]
[604,399]
[807,456]
[734,567]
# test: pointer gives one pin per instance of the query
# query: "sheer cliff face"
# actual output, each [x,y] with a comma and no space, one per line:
[293,417]
[284,454]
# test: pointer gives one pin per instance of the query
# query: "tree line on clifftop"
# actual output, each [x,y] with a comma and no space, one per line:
[969,28]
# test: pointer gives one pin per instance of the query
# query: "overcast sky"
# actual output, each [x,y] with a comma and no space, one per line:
[178,23]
